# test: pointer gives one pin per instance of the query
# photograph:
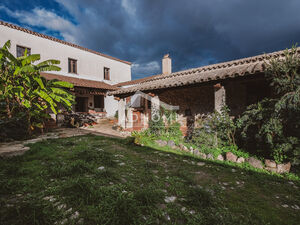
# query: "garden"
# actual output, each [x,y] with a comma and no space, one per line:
[226,171]
[266,136]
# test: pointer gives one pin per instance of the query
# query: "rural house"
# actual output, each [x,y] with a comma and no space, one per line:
[197,91]
[92,73]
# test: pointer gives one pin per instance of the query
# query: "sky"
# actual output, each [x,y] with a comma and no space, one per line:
[194,32]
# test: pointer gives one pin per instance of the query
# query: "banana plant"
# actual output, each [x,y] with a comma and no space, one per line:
[22,88]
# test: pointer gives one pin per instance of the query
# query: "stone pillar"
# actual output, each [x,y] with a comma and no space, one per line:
[220,97]
[129,123]
[155,106]
[146,113]
[121,113]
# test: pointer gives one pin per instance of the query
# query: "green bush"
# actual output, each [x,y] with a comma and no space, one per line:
[272,126]
[24,91]
[156,123]
[13,128]
[167,128]
[215,130]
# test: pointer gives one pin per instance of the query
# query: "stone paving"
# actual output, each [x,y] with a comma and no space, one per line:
[104,128]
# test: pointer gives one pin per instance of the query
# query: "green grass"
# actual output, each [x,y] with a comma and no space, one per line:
[99,180]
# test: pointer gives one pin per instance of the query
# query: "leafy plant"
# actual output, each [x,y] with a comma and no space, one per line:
[272,126]
[215,130]
[24,92]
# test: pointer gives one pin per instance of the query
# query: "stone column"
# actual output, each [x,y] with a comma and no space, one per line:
[220,97]
[155,106]
[129,123]
[121,113]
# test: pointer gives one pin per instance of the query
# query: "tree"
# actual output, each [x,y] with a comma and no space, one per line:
[272,126]
[24,92]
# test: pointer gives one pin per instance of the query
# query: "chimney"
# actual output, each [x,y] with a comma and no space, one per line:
[166,64]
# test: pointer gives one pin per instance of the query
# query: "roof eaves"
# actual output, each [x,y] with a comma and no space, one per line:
[60,41]
[79,82]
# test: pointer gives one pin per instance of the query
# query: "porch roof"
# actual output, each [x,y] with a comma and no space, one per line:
[219,71]
[78,82]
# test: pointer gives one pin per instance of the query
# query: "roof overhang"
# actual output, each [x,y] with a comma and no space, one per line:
[78,82]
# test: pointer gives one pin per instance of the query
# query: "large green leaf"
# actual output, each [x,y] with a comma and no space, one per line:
[59,91]
[48,99]
[49,68]
[40,106]
[39,80]
[26,103]
[9,56]
[25,69]
[63,84]
[48,62]
[30,59]
[7,45]
[60,99]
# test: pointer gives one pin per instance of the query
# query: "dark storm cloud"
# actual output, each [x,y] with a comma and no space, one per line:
[194,32]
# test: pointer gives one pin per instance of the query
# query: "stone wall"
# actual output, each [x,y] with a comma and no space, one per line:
[198,101]
[193,102]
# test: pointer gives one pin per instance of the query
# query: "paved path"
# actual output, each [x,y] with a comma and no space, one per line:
[104,128]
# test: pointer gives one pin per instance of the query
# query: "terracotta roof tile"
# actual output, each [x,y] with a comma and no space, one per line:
[224,70]
[59,41]
[137,81]
[77,82]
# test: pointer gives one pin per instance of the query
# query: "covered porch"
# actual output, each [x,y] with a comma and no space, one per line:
[194,101]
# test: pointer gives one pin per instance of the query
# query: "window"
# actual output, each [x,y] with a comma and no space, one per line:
[21,51]
[72,65]
[106,73]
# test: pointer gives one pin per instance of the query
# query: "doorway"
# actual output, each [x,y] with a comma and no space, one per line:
[99,103]
[81,104]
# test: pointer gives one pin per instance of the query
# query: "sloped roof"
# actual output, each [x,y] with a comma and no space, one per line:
[219,71]
[137,81]
[59,41]
[77,82]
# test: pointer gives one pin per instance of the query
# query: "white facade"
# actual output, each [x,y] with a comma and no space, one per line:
[90,66]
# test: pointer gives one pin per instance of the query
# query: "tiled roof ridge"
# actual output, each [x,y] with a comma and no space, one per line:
[219,71]
[59,41]
[227,64]
[136,81]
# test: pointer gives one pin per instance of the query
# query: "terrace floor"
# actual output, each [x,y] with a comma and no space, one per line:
[103,128]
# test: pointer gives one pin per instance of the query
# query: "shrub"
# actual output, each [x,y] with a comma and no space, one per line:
[156,123]
[163,123]
[215,130]
[271,127]
[24,91]
[13,128]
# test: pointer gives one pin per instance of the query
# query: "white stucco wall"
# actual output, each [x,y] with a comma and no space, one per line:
[111,105]
[89,65]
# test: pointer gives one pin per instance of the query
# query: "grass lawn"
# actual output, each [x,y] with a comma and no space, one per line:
[99,180]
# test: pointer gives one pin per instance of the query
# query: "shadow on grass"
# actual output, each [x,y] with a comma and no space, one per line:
[294,175]
[85,173]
